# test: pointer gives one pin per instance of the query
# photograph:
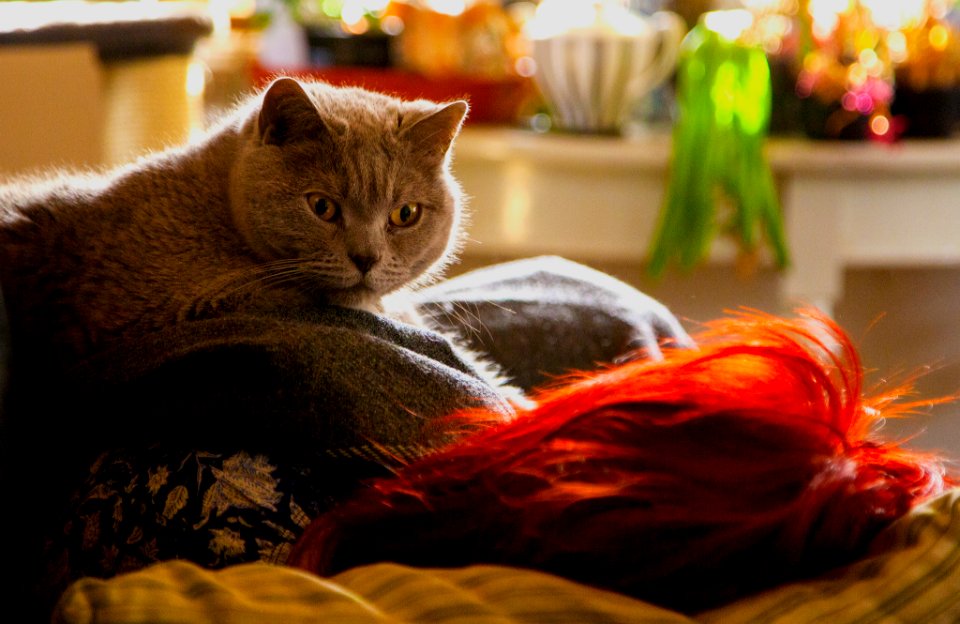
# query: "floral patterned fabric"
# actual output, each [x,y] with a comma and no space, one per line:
[215,509]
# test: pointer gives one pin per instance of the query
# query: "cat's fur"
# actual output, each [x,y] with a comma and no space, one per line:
[223,225]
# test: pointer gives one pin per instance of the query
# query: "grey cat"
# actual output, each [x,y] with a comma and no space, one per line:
[305,194]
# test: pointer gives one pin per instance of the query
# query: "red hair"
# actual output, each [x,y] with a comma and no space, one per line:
[749,461]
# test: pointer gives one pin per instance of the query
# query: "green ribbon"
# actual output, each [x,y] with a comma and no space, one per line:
[724,99]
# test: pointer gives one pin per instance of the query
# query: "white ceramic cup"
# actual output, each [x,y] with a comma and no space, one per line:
[592,78]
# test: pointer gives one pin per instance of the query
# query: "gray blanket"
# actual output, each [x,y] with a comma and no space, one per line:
[301,380]
[541,318]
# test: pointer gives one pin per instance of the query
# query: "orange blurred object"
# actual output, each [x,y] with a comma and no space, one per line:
[492,100]
[478,42]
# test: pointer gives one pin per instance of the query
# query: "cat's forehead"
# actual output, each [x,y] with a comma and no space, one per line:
[357,108]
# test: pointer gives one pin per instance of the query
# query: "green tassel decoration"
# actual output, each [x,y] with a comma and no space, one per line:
[724,98]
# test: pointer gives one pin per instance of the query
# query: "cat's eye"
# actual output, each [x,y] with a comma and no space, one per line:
[405,215]
[322,206]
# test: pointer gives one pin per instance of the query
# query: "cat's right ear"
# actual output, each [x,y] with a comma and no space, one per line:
[287,114]
[432,135]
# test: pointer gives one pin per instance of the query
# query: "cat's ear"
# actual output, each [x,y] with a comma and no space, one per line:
[432,135]
[287,114]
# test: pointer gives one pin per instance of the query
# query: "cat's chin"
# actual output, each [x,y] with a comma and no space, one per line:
[358,297]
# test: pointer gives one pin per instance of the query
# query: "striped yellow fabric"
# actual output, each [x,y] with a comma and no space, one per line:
[914,578]
[494,595]
[177,592]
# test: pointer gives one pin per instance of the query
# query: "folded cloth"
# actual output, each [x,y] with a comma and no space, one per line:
[328,377]
[541,318]
[290,386]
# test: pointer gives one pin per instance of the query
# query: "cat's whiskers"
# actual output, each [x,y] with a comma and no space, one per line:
[465,317]
[271,274]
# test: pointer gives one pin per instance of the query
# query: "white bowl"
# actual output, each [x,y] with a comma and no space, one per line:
[592,78]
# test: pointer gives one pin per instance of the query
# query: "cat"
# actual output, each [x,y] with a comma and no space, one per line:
[304,197]
[304,194]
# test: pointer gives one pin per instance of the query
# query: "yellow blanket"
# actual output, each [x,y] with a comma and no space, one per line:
[913,577]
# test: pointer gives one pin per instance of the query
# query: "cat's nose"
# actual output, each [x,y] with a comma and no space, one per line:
[364,262]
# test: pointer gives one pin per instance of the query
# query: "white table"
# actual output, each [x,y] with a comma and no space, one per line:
[846,204]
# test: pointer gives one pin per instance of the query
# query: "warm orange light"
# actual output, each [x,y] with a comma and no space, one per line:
[356,28]
[525,66]
[856,76]
[880,125]
[447,7]
[939,37]
[392,24]
[896,14]
[825,14]
[814,63]
[897,45]
[870,61]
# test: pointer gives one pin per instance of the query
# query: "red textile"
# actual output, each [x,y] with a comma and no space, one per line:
[751,460]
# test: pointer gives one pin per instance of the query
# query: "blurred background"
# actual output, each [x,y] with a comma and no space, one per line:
[593,134]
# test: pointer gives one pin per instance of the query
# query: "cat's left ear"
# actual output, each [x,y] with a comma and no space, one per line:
[432,135]
[287,114]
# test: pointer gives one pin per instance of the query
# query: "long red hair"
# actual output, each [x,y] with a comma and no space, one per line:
[748,461]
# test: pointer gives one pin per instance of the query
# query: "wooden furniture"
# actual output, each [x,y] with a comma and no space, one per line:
[598,199]
[90,84]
